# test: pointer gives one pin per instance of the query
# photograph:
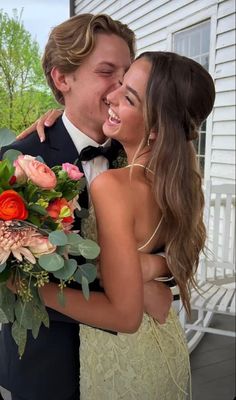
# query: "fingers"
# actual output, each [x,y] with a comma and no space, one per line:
[52,116]
[157,300]
[27,131]
[47,119]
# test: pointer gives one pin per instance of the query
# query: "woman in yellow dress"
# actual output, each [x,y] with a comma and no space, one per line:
[155,201]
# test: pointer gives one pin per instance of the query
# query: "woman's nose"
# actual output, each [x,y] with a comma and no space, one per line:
[112,97]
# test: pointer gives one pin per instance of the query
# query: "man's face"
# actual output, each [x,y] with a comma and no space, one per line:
[100,73]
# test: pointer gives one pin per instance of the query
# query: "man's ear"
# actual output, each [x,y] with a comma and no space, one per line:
[60,80]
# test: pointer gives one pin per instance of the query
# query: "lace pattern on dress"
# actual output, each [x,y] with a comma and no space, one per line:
[151,364]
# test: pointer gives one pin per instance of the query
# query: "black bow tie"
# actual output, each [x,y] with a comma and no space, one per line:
[90,152]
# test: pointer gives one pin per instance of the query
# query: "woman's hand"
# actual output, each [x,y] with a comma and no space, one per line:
[153,266]
[47,119]
[157,300]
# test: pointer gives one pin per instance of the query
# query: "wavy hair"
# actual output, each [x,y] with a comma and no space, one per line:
[179,96]
[73,40]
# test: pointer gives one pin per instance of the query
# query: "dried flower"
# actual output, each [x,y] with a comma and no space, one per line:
[15,238]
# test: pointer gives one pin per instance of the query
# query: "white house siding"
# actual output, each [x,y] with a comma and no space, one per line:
[154,23]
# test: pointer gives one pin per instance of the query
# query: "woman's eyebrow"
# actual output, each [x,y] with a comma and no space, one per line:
[134,92]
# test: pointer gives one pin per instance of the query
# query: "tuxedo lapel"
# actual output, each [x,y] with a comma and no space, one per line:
[61,149]
[60,145]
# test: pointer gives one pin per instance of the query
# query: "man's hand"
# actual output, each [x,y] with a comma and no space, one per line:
[157,300]
[46,120]
[153,266]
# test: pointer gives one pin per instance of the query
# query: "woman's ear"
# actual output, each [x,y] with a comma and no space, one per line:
[151,138]
[153,135]
[60,80]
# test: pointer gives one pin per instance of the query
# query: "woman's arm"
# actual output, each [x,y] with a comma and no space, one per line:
[120,308]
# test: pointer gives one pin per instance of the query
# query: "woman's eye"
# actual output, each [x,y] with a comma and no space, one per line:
[129,100]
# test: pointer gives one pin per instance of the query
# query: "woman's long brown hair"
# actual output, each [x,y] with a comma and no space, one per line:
[180,95]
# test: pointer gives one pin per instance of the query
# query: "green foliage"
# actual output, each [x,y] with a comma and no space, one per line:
[24,94]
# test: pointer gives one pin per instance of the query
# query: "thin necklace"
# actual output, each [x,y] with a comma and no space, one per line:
[140,165]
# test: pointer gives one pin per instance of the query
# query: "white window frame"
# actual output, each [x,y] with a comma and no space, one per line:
[199,17]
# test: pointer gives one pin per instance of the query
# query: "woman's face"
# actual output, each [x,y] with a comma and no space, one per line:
[125,121]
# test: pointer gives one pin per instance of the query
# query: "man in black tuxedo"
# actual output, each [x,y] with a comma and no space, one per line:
[81,73]
[85,59]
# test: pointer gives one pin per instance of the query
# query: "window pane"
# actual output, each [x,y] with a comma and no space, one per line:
[196,145]
[205,38]
[194,42]
[204,61]
[202,143]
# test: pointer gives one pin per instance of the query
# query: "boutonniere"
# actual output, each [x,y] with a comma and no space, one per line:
[121,160]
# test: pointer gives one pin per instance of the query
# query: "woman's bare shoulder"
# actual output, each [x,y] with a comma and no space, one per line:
[110,179]
[110,190]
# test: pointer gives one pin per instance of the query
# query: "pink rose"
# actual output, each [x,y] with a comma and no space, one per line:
[40,245]
[72,171]
[40,174]
[19,173]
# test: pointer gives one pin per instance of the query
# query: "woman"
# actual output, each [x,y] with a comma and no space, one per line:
[156,200]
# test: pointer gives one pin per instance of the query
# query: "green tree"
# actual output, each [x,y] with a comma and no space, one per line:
[24,94]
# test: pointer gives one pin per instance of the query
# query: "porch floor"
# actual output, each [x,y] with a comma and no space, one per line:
[213,364]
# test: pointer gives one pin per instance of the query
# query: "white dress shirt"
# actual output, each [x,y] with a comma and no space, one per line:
[95,166]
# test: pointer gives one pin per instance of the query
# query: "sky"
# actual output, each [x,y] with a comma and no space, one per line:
[39,16]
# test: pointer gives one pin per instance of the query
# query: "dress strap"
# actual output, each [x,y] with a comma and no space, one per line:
[159,223]
[139,165]
[154,233]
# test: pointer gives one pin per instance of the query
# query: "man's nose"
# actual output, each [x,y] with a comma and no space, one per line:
[117,83]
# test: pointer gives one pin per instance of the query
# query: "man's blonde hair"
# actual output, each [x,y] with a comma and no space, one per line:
[73,40]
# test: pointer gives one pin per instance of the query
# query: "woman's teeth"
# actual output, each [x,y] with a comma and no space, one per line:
[113,118]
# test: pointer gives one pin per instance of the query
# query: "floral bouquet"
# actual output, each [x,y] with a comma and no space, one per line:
[37,210]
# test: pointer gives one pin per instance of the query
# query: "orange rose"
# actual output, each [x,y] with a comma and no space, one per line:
[60,209]
[12,206]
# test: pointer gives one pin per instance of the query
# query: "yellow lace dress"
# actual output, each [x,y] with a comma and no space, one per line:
[151,364]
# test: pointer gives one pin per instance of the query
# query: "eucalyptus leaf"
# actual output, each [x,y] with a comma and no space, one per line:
[11,154]
[89,249]
[3,318]
[87,270]
[85,287]
[36,323]
[19,334]
[5,275]
[67,271]
[40,159]
[3,266]
[42,315]
[7,302]
[58,238]
[61,250]
[61,298]
[24,313]
[74,241]
[51,262]
[6,137]
[39,316]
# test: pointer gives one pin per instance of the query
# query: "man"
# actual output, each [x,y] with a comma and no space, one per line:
[84,60]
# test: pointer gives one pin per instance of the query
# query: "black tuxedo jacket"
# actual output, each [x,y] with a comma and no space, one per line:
[49,368]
